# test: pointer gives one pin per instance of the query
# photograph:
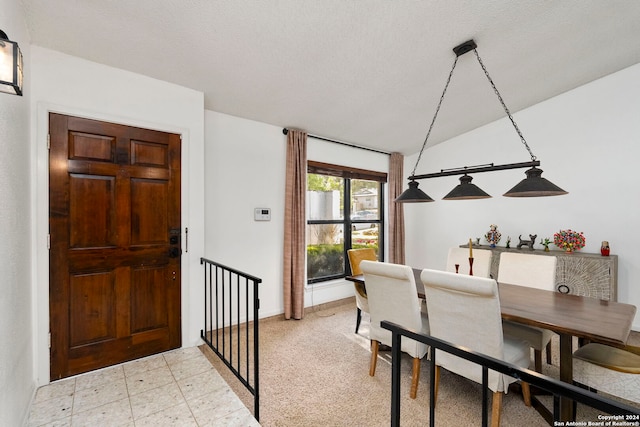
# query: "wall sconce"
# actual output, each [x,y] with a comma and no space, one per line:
[532,186]
[10,66]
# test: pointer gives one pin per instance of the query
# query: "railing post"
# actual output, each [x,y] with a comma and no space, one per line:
[432,387]
[396,342]
[256,348]
[485,396]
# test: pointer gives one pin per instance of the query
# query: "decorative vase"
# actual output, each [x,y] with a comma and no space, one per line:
[604,248]
[546,248]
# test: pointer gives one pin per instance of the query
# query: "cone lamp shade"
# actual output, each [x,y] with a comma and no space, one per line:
[413,195]
[466,191]
[534,185]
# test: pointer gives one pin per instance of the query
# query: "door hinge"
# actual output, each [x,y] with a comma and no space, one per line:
[48,141]
[48,241]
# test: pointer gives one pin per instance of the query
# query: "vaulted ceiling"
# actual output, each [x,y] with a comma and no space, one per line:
[368,72]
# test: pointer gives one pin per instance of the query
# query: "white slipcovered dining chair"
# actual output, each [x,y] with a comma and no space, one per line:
[612,370]
[460,256]
[393,296]
[355,257]
[534,271]
[465,311]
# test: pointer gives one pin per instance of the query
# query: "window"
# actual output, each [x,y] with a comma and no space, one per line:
[344,211]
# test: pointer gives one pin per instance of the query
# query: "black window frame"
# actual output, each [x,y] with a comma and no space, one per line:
[347,174]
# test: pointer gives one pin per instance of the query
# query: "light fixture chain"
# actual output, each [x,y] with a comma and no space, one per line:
[424,144]
[495,89]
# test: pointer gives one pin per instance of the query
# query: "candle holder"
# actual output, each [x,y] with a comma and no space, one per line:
[470,266]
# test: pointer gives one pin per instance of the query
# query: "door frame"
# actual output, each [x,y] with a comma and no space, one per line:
[40,229]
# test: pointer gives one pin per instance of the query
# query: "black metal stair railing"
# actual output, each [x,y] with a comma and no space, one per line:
[231,307]
[555,387]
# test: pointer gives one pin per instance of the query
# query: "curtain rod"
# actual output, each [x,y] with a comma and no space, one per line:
[286,131]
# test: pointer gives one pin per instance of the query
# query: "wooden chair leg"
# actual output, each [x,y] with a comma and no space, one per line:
[548,353]
[526,393]
[537,357]
[374,357]
[496,409]
[358,319]
[415,377]
[436,382]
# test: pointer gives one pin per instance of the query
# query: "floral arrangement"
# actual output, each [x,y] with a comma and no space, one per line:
[569,240]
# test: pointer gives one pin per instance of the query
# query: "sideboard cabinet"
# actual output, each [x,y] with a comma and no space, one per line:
[578,273]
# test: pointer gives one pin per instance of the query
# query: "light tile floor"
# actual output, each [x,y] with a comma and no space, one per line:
[177,388]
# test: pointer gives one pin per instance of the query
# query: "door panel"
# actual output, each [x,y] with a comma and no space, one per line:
[114,203]
[147,301]
[92,303]
[147,198]
[94,198]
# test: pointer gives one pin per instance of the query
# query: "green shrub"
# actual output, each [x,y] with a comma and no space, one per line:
[328,260]
[325,260]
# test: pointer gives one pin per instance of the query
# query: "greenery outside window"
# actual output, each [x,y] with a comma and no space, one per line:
[344,211]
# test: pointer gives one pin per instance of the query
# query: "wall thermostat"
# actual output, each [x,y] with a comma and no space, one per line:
[262,214]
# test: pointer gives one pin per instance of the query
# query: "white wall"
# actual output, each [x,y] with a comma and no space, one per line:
[245,169]
[69,85]
[588,143]
[16,340]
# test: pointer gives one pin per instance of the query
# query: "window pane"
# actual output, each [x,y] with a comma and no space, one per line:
[325,197]
[365,238]
[325,250]
[364,200]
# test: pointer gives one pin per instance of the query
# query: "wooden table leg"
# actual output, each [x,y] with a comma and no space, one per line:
[566,374]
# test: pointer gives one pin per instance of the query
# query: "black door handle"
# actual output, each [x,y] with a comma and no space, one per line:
[174,252]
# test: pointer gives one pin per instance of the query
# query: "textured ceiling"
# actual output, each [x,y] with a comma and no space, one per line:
[368,72]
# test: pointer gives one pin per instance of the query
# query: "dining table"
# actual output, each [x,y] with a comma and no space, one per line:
[589,319]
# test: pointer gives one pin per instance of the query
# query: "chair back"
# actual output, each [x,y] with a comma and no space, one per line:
[481,261]
[609,369]
[533,271]
[357,255]
[465,310]
[393,296]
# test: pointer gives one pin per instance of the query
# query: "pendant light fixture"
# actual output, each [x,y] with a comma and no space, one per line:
[10,66]
[532,186]
[466,190]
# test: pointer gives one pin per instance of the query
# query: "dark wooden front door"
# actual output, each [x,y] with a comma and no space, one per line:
[114,223]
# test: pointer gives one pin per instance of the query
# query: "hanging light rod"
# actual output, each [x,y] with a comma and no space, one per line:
[532,186]
[476,169]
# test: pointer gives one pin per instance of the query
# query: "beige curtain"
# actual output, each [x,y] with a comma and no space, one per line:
[396,213]
[295,225]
